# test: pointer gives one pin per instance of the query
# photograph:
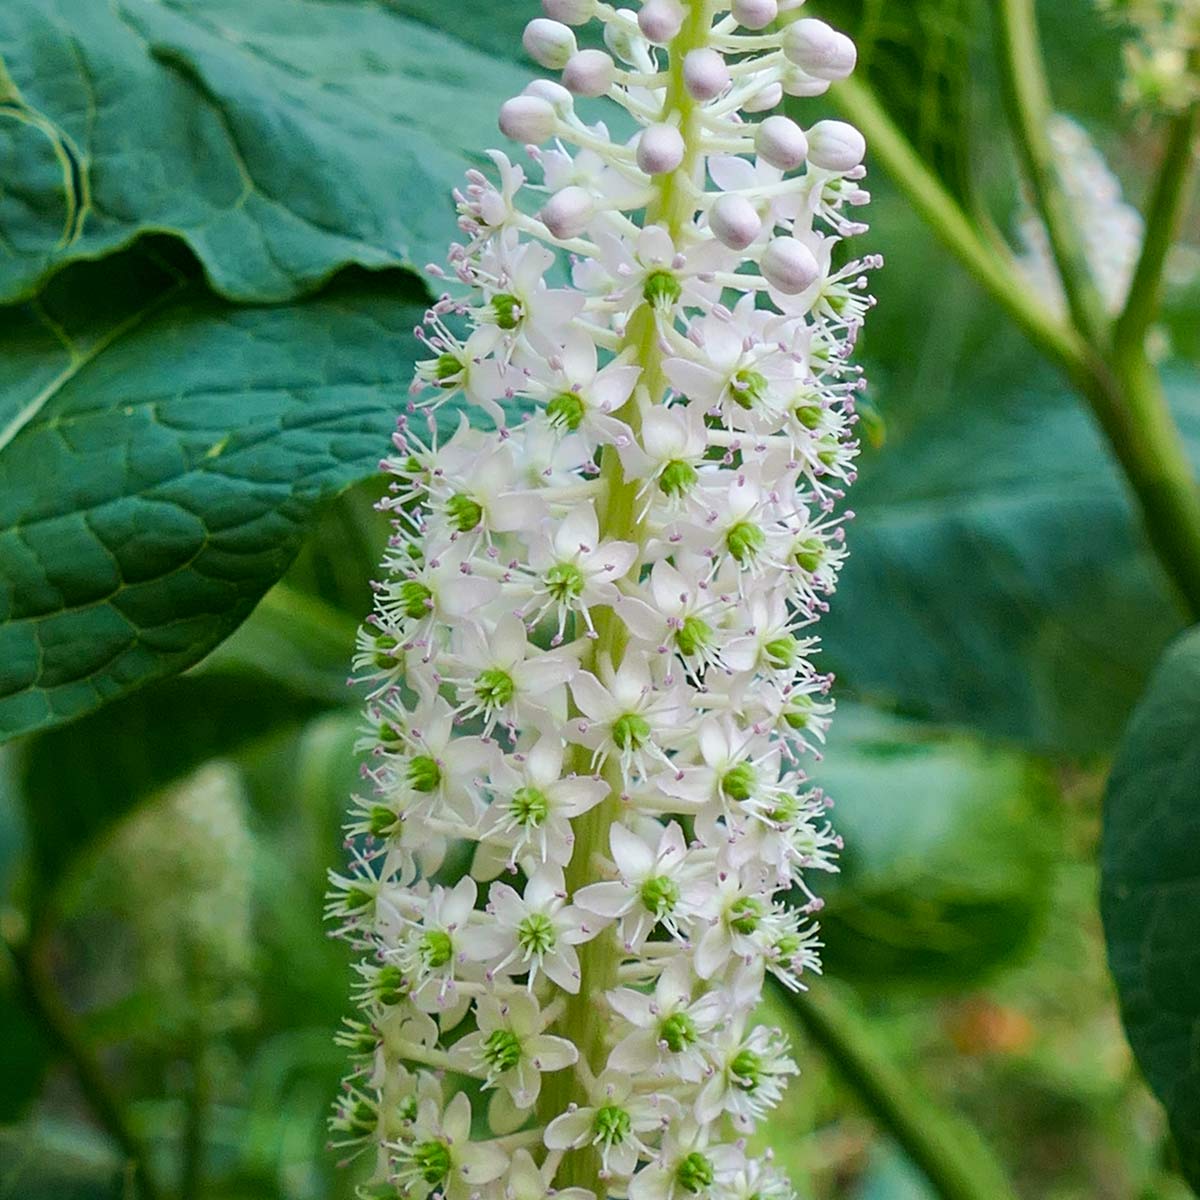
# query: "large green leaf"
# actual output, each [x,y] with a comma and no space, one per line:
[280,139]
[47,1160]
[159,460]
[998,576]
[1150,894]
[949,847]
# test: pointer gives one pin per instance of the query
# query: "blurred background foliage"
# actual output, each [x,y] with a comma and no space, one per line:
[166,854]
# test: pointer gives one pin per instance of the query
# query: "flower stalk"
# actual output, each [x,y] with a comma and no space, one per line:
[591,655]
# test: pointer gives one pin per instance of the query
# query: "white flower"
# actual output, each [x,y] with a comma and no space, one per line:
[534,805]
[671,1031]
[626,714]
[616,1119]
[537,931]
[649,891]
[576,571]
[511,1047]
[439,1156]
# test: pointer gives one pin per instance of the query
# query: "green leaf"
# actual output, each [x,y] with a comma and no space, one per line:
[279,139]
[79,780]
[1150,889]
[47,1160]
[949,846]
[161,453]
[996,570]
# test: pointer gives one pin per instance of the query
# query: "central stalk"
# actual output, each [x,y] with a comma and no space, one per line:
[583,1020]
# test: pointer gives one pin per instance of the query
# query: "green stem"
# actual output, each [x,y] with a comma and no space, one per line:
[950,1153]
[41,994]
[1027,97]
[618,520]
[191,1184]
[1163,220]
[1125,397]
[930,198]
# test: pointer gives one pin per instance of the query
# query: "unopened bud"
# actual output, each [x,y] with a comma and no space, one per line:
[660,20]
[570,12]
[589,73]
[789,265]
[553,93]
[803,85]
[567,213]
[819,49]
[528,119]
[660,149]
[705,74]
[764,99]
[781,142]
[549,43]
[735,222]
[835,146]
[755,14]
[622,37]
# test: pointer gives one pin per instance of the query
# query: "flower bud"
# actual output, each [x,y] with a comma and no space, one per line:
[705,74]
[764,99]
[755,14]
[549,43]
[735,221]
[800,83]
[567,213]
[660,20]
[553,93]
[570,12]
[781,142]
[589,73]
[622,37]
[660,149]
[835,146]
[789,265]
[528,119]
[819,49]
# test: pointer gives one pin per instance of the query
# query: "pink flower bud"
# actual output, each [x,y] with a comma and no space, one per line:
[660,20]
[800,83]
[553,93]
[735,221]
[835,146]
[528,119]
[589,73]
[567,213]
[764,99]
[819,49]
[781,142]
[570,12]
[789,265]
[755,14]
[705,74]
[549,43]
[660,149]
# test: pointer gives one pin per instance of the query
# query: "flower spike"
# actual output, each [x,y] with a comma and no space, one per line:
[591,656]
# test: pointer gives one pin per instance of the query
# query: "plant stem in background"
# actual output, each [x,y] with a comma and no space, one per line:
[59,1023]
[1027,98]
[952,1156]
[1119,383]
[1163,219]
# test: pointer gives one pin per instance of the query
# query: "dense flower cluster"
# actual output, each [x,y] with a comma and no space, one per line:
[1110,227]
[590,658]
[1161,58]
